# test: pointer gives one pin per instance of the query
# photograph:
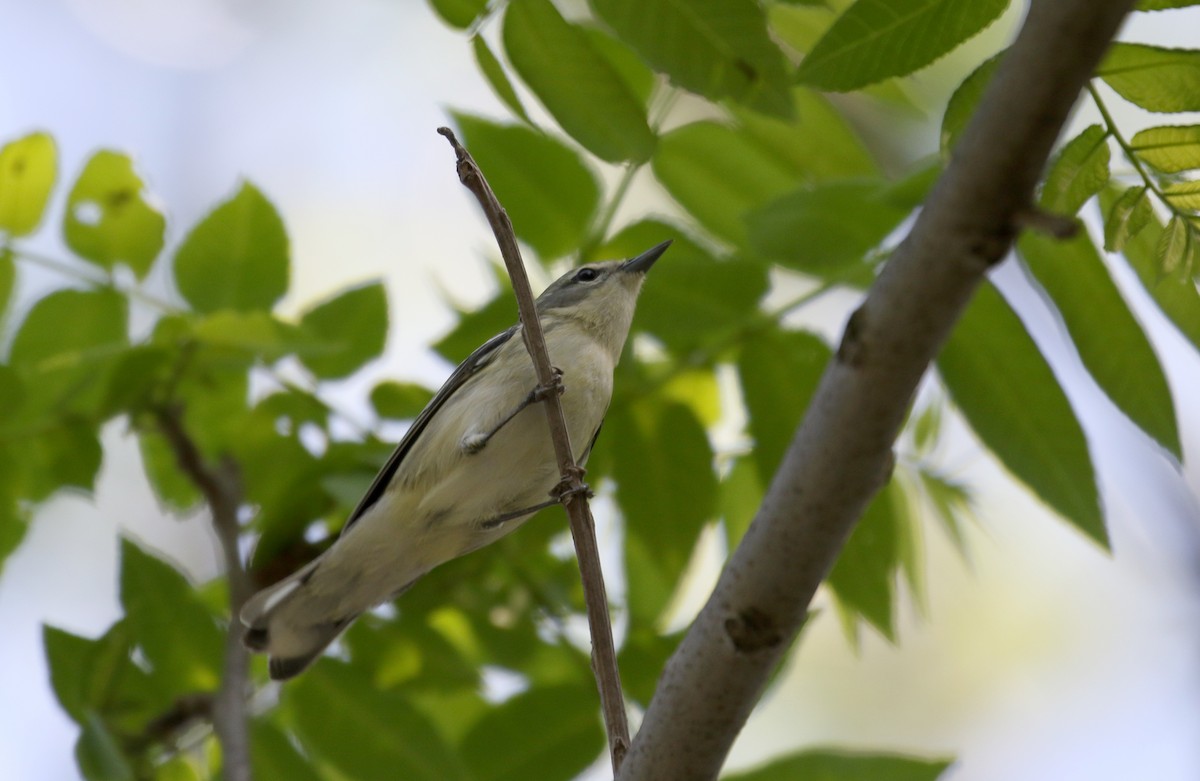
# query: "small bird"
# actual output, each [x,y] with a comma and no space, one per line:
[475,465]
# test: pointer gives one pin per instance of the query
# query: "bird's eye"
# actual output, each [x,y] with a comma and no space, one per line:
[586,275]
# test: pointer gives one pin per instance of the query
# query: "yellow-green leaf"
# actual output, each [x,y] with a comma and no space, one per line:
[109,219]
[1155,78]
[1183,195]
[28,167]
[493,71]
[1176,248]
[1170,148]
[1078,172]
[1126,218]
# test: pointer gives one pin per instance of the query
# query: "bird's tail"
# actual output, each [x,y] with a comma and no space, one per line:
[275,624]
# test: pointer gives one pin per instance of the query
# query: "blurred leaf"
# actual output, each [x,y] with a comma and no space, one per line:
[576,84]
[1110,341]
[28,168]
[568,738]
[365,733]
[1170,149]
[65,455]
[1176,249]
[950,501]
[877,39]
[1078,172]
[108,219]
[1162,5]
[354,323]
[67,347]
[8,279]
[399,400]
[1183,195]
[98,755]
[641,660]
[824,229]
[1011,398]
[718,174]
[690,295]
[1175,295]
[174,489]
[817,144]
[272,755]
[637,76]
[1128,215]
[717,48]
[841,765]
[176,634]
[927,428]
[236,257]
[779,372]
[475,328]
[181,768]
[666,489]
[741,494]
[1155,78]
[458,13]
[68,656]
[493,71]
[547,190]
[864,576]
[965,100]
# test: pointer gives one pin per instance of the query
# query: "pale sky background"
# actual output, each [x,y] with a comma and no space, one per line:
[1043,658]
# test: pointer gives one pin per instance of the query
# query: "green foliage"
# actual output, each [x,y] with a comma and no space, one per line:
[28,167]
[1008,394]
[108,220]
[1078,173]
[1157,79]
[716,48]
[837,765]
[493,71]
[877,39]
[576,83]
[1170,148]
[1128,215]
[458,13]
[351,327]
[962,104]
[236,257]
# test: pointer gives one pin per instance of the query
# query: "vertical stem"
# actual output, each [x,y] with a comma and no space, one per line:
[572,488]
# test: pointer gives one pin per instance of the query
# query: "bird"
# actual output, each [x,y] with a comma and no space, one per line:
[474,465]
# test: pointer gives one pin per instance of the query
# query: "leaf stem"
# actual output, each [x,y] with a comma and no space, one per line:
[1111,125]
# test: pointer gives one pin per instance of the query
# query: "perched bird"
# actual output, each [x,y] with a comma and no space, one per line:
[476,464]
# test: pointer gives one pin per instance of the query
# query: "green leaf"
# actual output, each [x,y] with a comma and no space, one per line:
[864,576]
[964,101]
[641,660]
[949,501]
[399,400]
[876,39]
[236,257]
[67,454]
[170,485]
[576,84]
[1162,5]
[547,190]
[637,76]
[1183,195]
[1170,148]
[354,323]
[666,489]
[272,755]
[841,765]
[460,14]
[1155,78]
[475,328]
[493,71]
[1010,397]
[8,280]
[1110,341]
[713,295]
[108,219]
[175,632]
[741,493]
[502,747]
[1078,172]
[28,168]
[717,48]
[1128,215]
[98,755]
[1176,249]
[817,144]
[67,347]
[718,174]
[68,657]
[779,372]
[366,733]
[824,229]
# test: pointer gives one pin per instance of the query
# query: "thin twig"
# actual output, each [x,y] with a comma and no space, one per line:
[574,497]
[222,488]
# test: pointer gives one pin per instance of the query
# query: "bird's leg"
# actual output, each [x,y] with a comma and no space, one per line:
[492,523]
[473,443]
[572,486]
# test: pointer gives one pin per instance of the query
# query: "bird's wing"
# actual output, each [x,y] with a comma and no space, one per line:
[473,363]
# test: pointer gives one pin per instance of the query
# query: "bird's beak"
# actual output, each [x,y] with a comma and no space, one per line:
[643,262]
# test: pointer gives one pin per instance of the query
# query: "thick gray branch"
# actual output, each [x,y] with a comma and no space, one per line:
[842,452]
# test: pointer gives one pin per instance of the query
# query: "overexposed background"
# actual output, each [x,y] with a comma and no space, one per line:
[1040,658]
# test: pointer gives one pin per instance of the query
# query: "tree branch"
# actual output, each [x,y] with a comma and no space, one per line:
[841,454]
[221,486]
[573,492]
